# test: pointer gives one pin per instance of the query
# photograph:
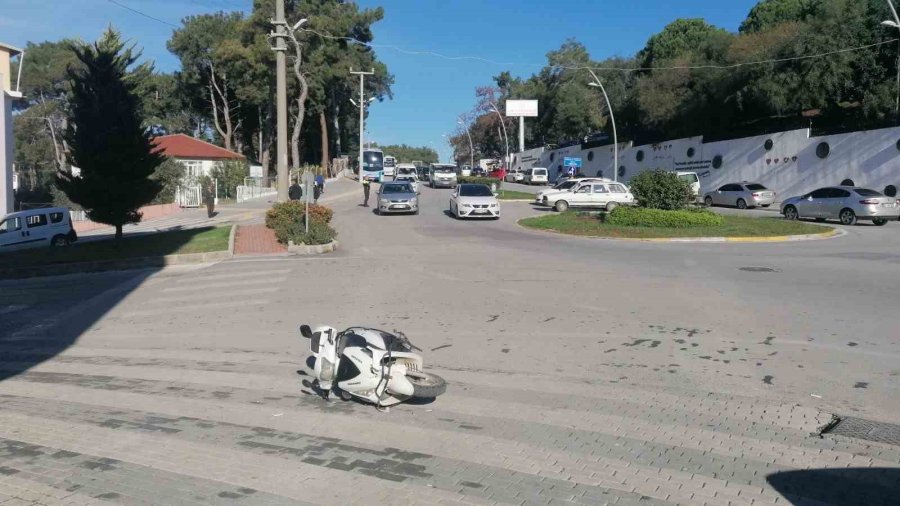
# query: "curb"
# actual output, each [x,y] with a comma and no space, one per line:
[231,240]
[114,265]
[314,249]
[831,234]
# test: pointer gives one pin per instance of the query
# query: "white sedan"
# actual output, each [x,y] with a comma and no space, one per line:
[474,201]
[590,194]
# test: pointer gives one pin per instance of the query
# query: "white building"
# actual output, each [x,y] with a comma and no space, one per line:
[198,157]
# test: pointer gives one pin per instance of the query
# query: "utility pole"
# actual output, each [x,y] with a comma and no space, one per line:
[599,84]
[362,115]
[283,177]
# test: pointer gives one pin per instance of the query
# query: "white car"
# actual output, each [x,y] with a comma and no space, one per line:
[36,227]
[536,175]
[474,201]
[412,179]
[564,185]
[604,195]
[514,176]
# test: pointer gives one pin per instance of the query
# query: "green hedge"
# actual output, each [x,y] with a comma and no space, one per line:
[643,217]
[287,219]
[660,189]
[480,180]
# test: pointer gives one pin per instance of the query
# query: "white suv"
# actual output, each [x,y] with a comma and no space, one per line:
[603,195]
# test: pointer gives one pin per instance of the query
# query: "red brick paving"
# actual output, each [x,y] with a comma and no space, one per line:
[256,240]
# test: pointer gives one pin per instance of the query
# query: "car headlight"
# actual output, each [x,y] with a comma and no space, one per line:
[414,201]
[385,201]
[495,205]
[469,206]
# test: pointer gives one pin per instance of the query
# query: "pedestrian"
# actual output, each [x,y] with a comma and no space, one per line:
[295,192]
[365,184]
[317,190]
[320,183]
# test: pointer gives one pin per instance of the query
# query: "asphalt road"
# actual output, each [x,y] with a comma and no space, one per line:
[580,370]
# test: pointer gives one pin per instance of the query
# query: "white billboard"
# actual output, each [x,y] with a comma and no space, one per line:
[522,108]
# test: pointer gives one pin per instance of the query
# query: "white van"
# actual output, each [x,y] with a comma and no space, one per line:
[390,164]
[692,179]
[36,227]
[536,175]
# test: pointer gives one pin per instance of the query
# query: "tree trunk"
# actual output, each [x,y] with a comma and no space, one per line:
[301,101]
[323,126]
[118,232]
[219,94]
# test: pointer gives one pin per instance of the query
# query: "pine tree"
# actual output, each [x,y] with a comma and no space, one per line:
[105,136]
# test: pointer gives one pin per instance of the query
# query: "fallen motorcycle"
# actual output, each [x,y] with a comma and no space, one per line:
[370,364]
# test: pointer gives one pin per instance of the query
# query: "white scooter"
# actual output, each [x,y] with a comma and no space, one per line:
[370,364]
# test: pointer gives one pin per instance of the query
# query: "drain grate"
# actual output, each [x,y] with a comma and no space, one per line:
[866,429]
[757,269]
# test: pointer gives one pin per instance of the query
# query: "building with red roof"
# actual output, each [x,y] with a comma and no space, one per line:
[198,156]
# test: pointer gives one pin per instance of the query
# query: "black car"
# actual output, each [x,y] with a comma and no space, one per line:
[422,173]
[478,171]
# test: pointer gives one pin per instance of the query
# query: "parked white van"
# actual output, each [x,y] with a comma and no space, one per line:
[536,175]
[36,227]
[692,179]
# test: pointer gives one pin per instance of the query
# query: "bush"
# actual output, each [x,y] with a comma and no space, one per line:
[643,217]
[480,180]
[230,174]
[660,189]
[287,219]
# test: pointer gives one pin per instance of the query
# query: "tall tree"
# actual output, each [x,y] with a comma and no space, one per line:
[106,135]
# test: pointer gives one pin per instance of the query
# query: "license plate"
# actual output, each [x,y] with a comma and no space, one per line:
[480,211]
[888,205]
[398,206]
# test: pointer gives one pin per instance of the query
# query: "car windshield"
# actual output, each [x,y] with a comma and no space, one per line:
[756,187]
[690,178]
[475,190]
[865,192]
[444,170]
[395,188]
[540,172]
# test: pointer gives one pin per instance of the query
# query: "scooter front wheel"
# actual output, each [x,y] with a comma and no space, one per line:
[426,385]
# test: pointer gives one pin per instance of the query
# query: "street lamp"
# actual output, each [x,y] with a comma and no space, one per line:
[612,118]
[505,135]
[895,24]
[471,147]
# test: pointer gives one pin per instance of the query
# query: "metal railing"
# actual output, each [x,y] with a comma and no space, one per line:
[245,193]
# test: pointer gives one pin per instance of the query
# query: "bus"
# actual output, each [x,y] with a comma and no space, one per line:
[373,164]
[390,164]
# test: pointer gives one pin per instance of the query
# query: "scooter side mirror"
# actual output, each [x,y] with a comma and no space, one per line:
[305,331]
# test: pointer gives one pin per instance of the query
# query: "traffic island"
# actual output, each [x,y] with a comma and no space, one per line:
[727,229]
[191,246]
[311,249]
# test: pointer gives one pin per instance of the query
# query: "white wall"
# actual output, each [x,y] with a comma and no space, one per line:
[206,166]
[870,158]
[6,153]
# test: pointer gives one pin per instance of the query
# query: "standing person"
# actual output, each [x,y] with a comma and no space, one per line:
[317,190]
[295,192]
[320,183]
[366,184]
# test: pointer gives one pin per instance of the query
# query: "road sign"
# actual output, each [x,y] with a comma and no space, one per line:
[572,162]
[521,108]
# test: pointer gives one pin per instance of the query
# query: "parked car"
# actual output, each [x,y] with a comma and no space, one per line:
[37,227]
[397,197]
[465,171]
[848,204]
[478,172]
[498,173]
[564,185]
[474,201]
[741,195]
[536,175]
[692,179]
[587,193]
[442,176]
[514,176]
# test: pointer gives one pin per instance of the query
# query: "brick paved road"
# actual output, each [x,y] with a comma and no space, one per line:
[186,386]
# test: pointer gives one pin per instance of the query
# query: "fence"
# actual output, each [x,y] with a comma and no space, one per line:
[188,196]
[245,193]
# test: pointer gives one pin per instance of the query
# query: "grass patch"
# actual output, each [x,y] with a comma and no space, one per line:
[514,195]
[591,225]
[199,240]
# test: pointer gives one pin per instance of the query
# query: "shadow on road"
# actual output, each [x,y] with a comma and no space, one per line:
[869,486]
[43,316]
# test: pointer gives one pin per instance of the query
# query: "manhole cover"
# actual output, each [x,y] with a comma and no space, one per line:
[866,429]
[757,269]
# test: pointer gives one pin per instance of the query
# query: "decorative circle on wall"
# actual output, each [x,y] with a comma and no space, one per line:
[690,152]
[823,150]
[622,171]
[717,162]
[847,182]
[590,156]
[890,190]
[768,144]
[552,156]
[639,156]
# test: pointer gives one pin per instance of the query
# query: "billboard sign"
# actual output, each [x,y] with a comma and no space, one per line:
[572,162]
[522,108]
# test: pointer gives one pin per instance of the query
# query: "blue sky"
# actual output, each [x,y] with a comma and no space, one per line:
[430,92]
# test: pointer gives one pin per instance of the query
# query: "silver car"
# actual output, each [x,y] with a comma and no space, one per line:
[397,197]
[741,195]
[846,203]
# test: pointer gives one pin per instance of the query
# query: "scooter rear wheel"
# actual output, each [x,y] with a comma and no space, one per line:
[426,385]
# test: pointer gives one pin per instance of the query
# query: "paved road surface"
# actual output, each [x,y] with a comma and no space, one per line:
[581,372]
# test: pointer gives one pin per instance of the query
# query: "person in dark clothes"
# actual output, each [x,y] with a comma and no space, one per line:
[295,192]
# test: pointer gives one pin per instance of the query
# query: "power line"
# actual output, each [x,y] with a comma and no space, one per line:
[114,2]
[620,69]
